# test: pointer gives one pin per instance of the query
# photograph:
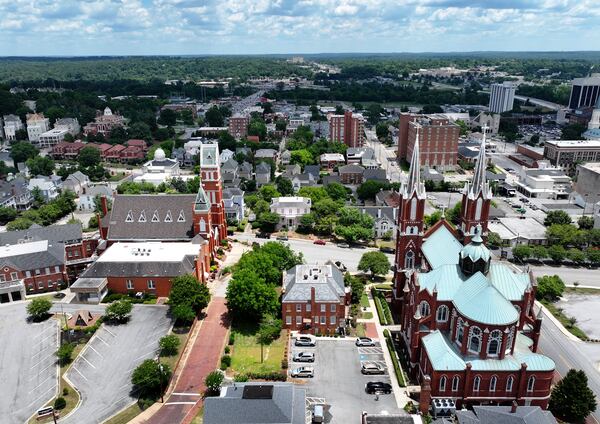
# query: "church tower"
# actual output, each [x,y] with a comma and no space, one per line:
[411,212]
[210,178]
[476,200]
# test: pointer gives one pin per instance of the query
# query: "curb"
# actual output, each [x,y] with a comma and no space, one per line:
[557,323]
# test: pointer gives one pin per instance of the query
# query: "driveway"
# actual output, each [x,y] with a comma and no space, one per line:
[339,381]
[28,366]
[102,371]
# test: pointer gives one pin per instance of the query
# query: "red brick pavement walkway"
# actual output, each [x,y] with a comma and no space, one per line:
[186,399]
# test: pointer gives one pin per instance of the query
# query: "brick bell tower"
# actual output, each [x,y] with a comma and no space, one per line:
[476,200]
[411,212]
[210,178]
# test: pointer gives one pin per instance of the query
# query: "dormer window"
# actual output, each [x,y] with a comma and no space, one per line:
[142,217]
[168,217]
[155,217]
[181,217]
[129,216]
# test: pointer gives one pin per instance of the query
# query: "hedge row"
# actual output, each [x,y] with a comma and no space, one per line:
[392,350]
[269,376]
[383,309]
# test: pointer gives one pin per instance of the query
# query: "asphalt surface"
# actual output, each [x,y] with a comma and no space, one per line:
[28,366]
[583,276]
[339,381]
[102,371]
[586,309]
[317,253]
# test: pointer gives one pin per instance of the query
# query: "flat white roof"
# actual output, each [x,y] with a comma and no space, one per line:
[527,228]
[23,248]
[55,131]
[149,252]
[592,166]
[574,143]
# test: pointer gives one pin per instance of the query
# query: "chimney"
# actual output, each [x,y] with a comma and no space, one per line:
[513,407]
[104,205]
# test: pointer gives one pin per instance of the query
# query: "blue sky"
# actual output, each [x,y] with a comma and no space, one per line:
[122,27]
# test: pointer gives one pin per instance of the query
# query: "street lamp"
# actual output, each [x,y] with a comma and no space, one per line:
[160,369]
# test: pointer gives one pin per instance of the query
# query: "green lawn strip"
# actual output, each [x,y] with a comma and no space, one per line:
[380,313]
[245,352]
[367,315]
[564,320]
[395,362]
[125,415]
[364,301]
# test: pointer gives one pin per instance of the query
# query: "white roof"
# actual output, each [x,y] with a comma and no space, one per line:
[23,248]
[527,228]
[149,252]
[575,143]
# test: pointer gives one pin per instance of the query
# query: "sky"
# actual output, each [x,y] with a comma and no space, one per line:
[165,27]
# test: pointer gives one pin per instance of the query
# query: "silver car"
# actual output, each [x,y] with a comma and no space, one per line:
[304,357]
[371,368]
[303,372]
[364,341]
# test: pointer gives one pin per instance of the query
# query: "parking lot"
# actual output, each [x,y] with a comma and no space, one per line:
[102,372]
[28,367]
[339,381]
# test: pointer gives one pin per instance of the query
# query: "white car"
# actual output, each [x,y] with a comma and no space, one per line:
[304,357]
[303,372]
[364,341]
[305,341]
[371,368]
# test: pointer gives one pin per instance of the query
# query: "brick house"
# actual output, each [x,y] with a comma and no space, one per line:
[314,299]
[114,153]
[351,174]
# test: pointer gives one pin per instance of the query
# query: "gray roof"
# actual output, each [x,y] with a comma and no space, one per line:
[78,176]
[503,415]
[246,167]
[293,169]
[388,212]
[135,268]
[375,174]
[230,164]
[351,169]
[46,255]
[389,419]
[286,404]
[233,191]
[328,179]
[263,168]
[265,153]
[314,170]
[133,205]
[88,283]
[68,233]
[327,280]
[360,152]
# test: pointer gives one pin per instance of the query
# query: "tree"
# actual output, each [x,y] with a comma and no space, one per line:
[576,255]
[268,330]
[557,217]
[60,403]
[494,239]
[374,262]
[167,117]
[549,287]
[557,253]
[585,222]
[284,186]
[336,191]
[306,223]
[572,132]
[89,156]
[353,225]
[521,253]
[258,128]
[571,399]
[40,165]
[370,188]
[281,256]
[382,130]
[267,221]
[226,141]
[464,128]
[268,192]
[213,382]
[21,151]
[140,131]
[214,117]
[183,313]
[357,287]
[187,290]
[593,255]
[7,214]
[539,252]
[118,311]
[38,309]
[453,214]
[151,378]
[563,234]
[64,353]
[301,157]
[249,296]
[169,345]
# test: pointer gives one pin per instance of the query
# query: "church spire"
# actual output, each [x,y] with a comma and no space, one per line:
[413,183]
[479,183]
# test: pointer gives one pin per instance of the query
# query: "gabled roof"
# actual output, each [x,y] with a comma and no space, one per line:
[67,233]
[504,415]
[327,280]
[230,164]
[441,247]
[314,170]
[32,255]
[351,169]
[375,174]
[263,168]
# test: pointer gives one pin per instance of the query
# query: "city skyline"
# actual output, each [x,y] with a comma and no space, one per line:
[188,27]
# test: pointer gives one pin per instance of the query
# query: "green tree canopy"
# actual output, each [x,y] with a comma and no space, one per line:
[21,151]
[336,191]
[585,222]
[89,156]
[150,378]
[118,311]
[40,165]
[38,308]
[549,287]
[249,296]
[284,186]
[214,117]
[315,194]
[374,262]
[302,157]
[557,217]
[571,399]
[187,290]
[368,189]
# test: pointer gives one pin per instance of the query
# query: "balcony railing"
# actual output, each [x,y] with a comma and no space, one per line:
[13,284]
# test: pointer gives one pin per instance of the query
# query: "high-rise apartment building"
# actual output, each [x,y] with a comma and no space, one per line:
[238,126]
[502,97]
[584,92]
[438,139]
[348,128]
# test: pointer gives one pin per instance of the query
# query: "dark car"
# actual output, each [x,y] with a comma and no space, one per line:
[387,249]
[283,238]
[373,387]
[263,235]
[59,295]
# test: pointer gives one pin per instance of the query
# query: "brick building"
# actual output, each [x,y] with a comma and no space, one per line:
[348,128]
[104,123]
[469,328]
[438,139]
[238,126]
[351,174]
[314,299]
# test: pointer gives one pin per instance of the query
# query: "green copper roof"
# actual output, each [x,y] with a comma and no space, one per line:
[441,355]
[446,279]
[441,248]
[480,301]
[476,250]
[509,283]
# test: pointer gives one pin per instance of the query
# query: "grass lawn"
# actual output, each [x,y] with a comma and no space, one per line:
[364,301]
[245,352]
[199,419]
[361,330]
[72,397]
[367,315]
[125,415]
[581,290]
[564,320]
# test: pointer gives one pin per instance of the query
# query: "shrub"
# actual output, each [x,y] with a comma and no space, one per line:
[119,310]
[269,376]
[240,378]
[213,382]
[64,353]
[65,391]
[225,362]
[231,339]
[150,377]
[284,363]
[169,345]
[38,308]
[549,287]
[227,350]
[60,403]
[392,350]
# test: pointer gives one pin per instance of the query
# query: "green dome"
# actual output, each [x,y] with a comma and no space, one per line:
[476,250]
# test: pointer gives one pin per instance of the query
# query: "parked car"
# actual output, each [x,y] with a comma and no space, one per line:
[303,372]
[364,341]
[263,235]
[305,341]
[371,368]
[341,266]
[304,357]
[320,242]
[385,249]
[283,238]
[344,245]
[373,387]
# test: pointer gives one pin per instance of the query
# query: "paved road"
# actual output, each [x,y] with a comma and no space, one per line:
[28,367]
[102,371]
[583,276]
[316,253]
[186,400]
[568,354]
[540,102]
[249,101]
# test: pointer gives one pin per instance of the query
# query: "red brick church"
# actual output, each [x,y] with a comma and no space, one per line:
[469,328]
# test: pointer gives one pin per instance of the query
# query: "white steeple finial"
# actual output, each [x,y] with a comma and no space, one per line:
[413,182]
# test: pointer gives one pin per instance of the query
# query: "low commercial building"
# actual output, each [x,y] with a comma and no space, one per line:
[544,183]
[351,174]
[587,183]
[330,160]
[290,209]
[515,231]
[567,153]
[52,137]
[147,267]
[315,299]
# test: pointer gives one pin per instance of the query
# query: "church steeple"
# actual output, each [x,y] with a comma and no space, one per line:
[413,183]
[476,199]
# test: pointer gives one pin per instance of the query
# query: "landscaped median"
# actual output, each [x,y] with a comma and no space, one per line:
[383,309]
[395,362]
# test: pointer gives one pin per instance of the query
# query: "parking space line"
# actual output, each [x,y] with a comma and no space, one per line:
[185,394]
[40,384]
[144,355]
[83,357]
[42,360]
[102,340]
[41,396]
[79,372]
[110,332]
[98,353]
